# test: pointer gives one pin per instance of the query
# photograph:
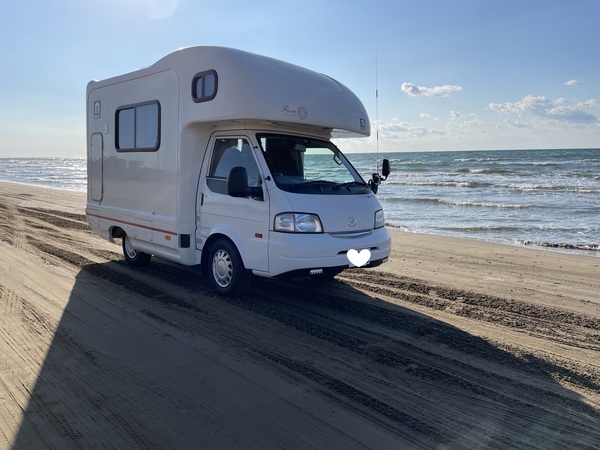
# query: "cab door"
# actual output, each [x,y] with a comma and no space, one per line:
[243,220]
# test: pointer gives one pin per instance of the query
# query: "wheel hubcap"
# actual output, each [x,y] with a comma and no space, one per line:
[222,268]
[131,252]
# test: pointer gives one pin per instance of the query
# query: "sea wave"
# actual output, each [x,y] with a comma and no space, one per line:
[463,160]
[484,204]
[512,229]
[485,171]
[396,226]
[530,187]
[563,246]
[56,172]
[447,183]
[483,229]
[461,203]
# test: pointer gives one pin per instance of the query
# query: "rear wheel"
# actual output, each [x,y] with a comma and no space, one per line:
[226,270]
[132,256]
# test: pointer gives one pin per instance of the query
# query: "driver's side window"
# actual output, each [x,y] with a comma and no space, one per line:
[227,154]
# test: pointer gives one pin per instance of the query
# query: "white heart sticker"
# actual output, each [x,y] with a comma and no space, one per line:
[359,258]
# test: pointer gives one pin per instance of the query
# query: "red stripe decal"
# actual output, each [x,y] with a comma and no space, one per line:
[133,224]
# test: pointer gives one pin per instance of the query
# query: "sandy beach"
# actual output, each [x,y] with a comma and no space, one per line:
[454,343]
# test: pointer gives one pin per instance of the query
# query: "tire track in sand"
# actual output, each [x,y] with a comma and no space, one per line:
[393,366]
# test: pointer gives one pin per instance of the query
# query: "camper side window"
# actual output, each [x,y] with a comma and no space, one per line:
[204,86]
[227,154]
[138,127]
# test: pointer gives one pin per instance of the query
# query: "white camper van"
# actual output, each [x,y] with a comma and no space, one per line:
[223,158]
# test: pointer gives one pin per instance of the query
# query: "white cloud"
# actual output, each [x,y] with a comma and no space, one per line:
[401,130]
[571,114]
[530,122]
[516,123]
[529,105]
[572,83]
[539,107]
[438,91]
[591,103]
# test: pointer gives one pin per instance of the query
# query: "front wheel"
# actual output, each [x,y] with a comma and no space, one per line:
[134,257]
[227,273]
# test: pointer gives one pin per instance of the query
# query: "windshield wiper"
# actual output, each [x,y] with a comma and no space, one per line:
[332,184]
[312,183]
[349,184]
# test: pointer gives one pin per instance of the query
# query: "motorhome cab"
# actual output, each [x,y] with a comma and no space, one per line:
[223,158]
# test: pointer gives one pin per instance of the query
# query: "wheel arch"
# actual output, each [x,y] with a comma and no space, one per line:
[206,250]
[227,272]
[115,232]
[227,233]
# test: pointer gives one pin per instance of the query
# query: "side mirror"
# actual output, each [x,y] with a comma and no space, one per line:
[237,184]
[385,169]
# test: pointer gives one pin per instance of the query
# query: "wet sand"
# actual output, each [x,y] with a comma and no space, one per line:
[454,343]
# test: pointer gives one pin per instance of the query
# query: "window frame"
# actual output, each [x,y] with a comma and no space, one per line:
[218,184]
[289,184]
[202,75]
[134,106]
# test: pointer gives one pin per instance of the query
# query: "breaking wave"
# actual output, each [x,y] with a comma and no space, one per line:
[461,203]
[563,246]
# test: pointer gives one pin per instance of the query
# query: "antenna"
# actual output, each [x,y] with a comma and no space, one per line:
[376,178]
[377,110]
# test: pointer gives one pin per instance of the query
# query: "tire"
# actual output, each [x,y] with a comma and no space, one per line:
[134,257]
[226,270]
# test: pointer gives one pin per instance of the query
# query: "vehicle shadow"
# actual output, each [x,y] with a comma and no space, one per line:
[151,359]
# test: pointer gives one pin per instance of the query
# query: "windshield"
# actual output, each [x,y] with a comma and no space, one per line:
[311,166]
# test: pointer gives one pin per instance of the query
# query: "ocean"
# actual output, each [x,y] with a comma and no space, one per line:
[59,173]
[540,198]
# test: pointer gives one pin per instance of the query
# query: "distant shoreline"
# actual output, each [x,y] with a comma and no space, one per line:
[568,249]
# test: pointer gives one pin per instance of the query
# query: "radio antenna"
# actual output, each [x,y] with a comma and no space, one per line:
[376,112]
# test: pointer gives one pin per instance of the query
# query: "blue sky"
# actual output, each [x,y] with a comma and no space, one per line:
[451,75]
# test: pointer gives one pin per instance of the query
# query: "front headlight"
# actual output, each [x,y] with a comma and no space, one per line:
[298,223]
[379,219]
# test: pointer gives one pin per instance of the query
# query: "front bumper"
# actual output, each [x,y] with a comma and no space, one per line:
[299,254]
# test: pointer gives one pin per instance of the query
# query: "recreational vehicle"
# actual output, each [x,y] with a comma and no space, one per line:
[223,158]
